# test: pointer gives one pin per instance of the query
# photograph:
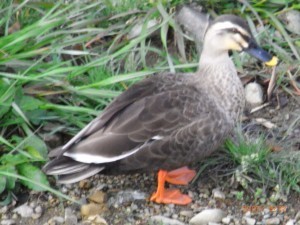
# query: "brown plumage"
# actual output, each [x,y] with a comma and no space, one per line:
[167,120]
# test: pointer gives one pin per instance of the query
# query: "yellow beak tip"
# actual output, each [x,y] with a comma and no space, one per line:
[272,62]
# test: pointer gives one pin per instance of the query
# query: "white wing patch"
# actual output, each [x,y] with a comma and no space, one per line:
[99,159]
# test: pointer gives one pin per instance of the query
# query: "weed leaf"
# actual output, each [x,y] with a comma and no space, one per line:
[33,173]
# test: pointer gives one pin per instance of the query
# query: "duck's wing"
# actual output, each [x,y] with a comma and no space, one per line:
[152,106]
[137,91]
[136,125]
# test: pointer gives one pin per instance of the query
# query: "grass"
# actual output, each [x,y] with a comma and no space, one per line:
[261,169]
[62,63]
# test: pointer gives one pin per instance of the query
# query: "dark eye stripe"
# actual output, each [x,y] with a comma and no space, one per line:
[236,31]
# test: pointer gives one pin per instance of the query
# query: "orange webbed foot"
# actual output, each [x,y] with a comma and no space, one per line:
[171,196]
[180,176]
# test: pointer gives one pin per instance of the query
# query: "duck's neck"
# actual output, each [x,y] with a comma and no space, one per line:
[217,74]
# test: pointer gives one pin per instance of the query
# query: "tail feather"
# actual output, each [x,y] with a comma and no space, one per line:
[76,177]
[63,166]
[69,170]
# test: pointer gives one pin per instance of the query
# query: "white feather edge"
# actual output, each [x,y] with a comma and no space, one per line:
[98,159]
[79,177]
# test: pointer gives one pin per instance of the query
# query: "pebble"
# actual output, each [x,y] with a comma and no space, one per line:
[291,19]
[208,215]
[36,215]
[125,197]
[56,220]
[165,220]
[14,216]
[253,94]
[250,221]
[85,184]
[218,194]
[226,220]
[4,209]
[8,222]
[272,221]
[297,217]
[24,211]
[38,209]
[32,204]
[70,217]
[64,190]
[92,209]
[290,222]
[97,197]
[247,214]
[97,220]
[186,213]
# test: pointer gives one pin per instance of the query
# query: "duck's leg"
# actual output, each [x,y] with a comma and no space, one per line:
[180,176]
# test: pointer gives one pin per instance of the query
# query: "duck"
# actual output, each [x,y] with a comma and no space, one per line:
[166,121]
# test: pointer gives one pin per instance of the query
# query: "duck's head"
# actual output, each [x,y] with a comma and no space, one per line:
[229,32]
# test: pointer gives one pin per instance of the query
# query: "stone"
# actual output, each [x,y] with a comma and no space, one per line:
[194,21]
[226,220]
[38,209]
[57,220]
[218,194]
[253,94]
[85,184]
[272,221]
[297,217]
[186,213]
[35,216]
[165,220]
[208,215]
[290,222]
[291,19]
[92,209]
[4,209]
[24,211]
[8,222]
[97,197]
[250,221]
[127,196]
[97,220]
[70,217]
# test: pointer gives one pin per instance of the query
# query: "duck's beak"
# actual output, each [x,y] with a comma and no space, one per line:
[257,52]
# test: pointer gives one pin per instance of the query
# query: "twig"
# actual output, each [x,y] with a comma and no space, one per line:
[271,83]
[266,123]
[293,83]
[259,107]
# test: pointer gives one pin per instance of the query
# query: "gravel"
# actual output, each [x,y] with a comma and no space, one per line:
[210,206]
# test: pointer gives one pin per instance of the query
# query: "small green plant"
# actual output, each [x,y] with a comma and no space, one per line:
[239,195]
[23,160]
[259,169]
